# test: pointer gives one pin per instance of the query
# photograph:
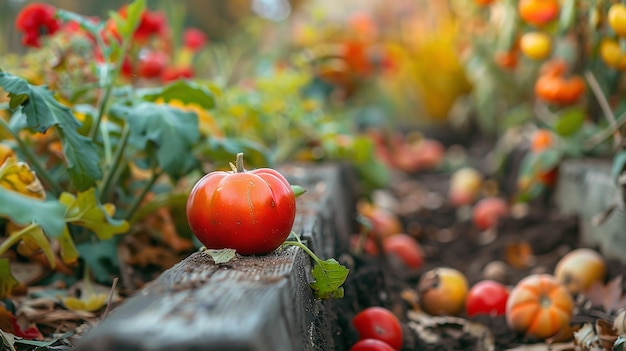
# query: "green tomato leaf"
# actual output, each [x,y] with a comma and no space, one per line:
[24,210]
[7,280]
[329,276]
[171,131]
[570,121]
[220,256]
[84,210]
[42,111]
[184,91]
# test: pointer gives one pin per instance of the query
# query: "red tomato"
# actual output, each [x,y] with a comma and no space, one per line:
[249,211]
[371,345]
[486,297]
[405,248]
[488,211]
[379,323]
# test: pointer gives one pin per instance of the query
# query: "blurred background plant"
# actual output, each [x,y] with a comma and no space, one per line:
[101,100]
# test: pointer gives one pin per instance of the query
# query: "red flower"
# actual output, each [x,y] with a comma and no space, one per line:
[175,73]
[36,20]
[152,64]
[194,39]
[151,23]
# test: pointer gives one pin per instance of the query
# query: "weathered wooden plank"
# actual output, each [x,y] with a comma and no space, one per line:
[251,303]
[585,188]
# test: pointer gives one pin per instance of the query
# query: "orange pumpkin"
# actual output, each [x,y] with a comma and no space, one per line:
[539,306]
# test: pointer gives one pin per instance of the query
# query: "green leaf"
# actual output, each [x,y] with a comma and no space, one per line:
[101,257]
[24,210]
[7,280]
[567,16]
[570,121]
[44,244]
[85,22]
[543,161]
[171,131]
[329,276]
[619,163]
[42,112]
[223,150]
[128,25]
[298,190]
[220,256]
[84,210]
[67,248]
[184,91]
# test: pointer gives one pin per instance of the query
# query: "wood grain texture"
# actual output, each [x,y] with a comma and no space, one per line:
[251,303]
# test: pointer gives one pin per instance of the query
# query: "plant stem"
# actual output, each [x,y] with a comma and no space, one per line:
[103,103]
[604,105]
[306,249]
[119,153]
[13,239]
[137,202]
[32,160]
[606,133]
[239,163]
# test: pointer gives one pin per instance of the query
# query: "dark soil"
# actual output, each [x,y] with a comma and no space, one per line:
[450,240]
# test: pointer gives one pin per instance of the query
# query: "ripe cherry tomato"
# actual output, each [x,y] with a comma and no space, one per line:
[559,90]
[371,345]
[488,211]
[486,297]
[538,12]
[542,139]
[249,211]
[404,247]
[483,2]
[381,324]
[536,45]
[539,306]
[617,19]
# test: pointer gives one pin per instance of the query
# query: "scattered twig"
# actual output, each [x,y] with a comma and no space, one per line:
[108,308]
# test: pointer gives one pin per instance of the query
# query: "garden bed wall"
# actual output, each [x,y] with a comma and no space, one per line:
[587,189]
[251,303]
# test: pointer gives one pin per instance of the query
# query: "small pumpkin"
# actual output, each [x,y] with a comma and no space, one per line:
[539,306]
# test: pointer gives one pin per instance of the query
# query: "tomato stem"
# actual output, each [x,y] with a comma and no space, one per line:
[239,163]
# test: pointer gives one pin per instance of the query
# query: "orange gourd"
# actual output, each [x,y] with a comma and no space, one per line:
[539,306]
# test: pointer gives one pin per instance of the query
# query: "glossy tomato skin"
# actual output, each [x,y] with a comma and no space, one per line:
[251,211]
[381,324]
[486,297]
[371,345]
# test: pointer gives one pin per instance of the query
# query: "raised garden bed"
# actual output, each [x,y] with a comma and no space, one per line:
[250,303]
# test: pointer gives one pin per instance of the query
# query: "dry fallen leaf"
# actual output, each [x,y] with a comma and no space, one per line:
[431,329]
[610,296]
